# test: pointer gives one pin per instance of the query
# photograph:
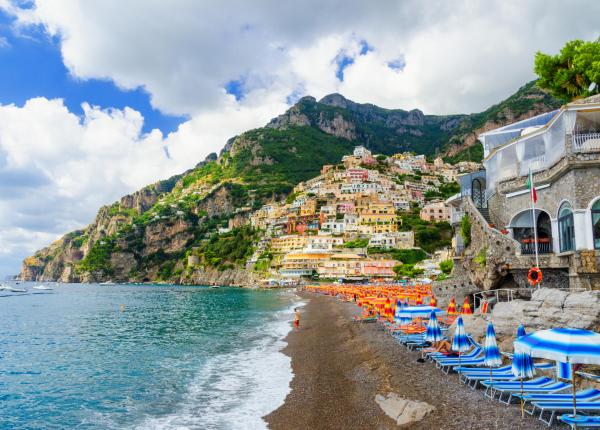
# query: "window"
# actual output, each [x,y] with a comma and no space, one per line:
[596,224]
[566,228]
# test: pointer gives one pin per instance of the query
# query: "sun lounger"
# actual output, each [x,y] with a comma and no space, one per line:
[472,376]
[554,407]
[555,387]
[583,395]
[492,387]
[581,421]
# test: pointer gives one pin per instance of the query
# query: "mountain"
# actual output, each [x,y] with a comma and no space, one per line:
[150,234]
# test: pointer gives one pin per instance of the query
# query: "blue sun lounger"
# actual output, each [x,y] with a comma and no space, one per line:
[583,395]
[581,421]
[554,387]
[493,386]
[472,376]
[554,407]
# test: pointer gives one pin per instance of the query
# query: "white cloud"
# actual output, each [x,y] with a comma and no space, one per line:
[459,56]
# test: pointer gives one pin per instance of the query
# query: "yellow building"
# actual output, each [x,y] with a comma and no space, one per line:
[341,265]
[287,243]
[308,208]
[302,263]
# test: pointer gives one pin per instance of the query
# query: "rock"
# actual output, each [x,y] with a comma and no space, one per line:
[548,308]
[403,411]
[475,325]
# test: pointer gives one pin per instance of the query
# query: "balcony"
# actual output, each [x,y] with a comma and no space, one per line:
[534,164]
[528,246]
[586,142]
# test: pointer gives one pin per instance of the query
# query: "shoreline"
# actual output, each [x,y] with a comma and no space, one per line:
[340,366]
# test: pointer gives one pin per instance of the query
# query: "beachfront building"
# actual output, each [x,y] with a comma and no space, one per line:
[302,263]
[435,211]
[343,265]
[561,150]
[383,268]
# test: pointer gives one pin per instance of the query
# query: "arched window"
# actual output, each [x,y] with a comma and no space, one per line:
[596,223]
[478,192]
[566,228]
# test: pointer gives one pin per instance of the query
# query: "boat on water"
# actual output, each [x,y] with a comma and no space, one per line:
[43,287]
[17,290]
[107,283]
[215,286]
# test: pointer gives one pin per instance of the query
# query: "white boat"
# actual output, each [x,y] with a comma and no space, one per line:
[215,286]
[42,287]
[17,290]
[107,283]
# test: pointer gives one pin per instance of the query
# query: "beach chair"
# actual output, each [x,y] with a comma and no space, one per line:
[555,407]
[492,387]
[587,395]
[552,388]
[472,376]
[581,421]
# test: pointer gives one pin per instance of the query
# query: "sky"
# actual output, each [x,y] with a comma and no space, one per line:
[100,98]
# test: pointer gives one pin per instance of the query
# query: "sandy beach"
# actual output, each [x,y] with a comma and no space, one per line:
[340,366]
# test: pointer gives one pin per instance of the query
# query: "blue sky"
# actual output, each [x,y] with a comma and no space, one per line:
[31,66]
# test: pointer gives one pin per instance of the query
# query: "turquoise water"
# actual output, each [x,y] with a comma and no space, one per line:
[143,357]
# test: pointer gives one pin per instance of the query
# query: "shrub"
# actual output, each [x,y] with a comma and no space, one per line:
[465,229]
[481,257]
[446,266]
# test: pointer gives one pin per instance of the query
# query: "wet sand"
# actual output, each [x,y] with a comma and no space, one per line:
[340,366]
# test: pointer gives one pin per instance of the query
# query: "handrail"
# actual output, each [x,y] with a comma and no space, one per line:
[586,142]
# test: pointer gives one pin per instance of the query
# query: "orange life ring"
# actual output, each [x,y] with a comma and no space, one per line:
[534,276]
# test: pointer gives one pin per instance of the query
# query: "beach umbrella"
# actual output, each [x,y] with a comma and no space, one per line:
[521,331]
[491,353]
[466,309]
[433,301]
[434,332]
[568,345]
[418,311]
[419,300]
[460,342]
[522,367]
[451,307]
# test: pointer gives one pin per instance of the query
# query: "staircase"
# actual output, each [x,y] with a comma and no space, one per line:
[485,213]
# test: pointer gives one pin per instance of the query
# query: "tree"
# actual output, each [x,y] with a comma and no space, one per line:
[568,74]
[408,270]
[446,266]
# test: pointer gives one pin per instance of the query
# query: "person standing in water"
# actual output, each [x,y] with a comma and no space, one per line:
[296,318]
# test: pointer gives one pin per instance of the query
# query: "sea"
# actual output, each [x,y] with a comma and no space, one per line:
[89,356]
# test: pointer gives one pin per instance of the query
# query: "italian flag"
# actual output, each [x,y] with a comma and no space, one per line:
[531,187]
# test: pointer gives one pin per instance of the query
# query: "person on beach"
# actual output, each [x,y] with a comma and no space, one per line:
[296,318]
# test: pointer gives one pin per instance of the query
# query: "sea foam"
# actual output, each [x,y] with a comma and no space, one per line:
[235,390]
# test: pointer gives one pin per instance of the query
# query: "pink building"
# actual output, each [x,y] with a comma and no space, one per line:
[346,208]
[436,211]
[384,268]
[357,174]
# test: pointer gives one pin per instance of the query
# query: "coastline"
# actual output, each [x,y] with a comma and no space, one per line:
[340,366]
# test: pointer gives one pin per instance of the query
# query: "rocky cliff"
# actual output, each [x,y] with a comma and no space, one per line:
[150,234]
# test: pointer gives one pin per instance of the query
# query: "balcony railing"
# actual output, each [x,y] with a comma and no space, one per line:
[583,142]
[456,217]
[544,246]
[533,164]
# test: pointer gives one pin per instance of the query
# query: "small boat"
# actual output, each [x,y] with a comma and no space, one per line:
[215,286]
[107,283]
[42,287]
[17,290]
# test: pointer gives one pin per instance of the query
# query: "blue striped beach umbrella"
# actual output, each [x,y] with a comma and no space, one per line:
[521,331]
[491,353]
[522,367]
[460,342]
[569,345]
[434,332]
[418,312]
